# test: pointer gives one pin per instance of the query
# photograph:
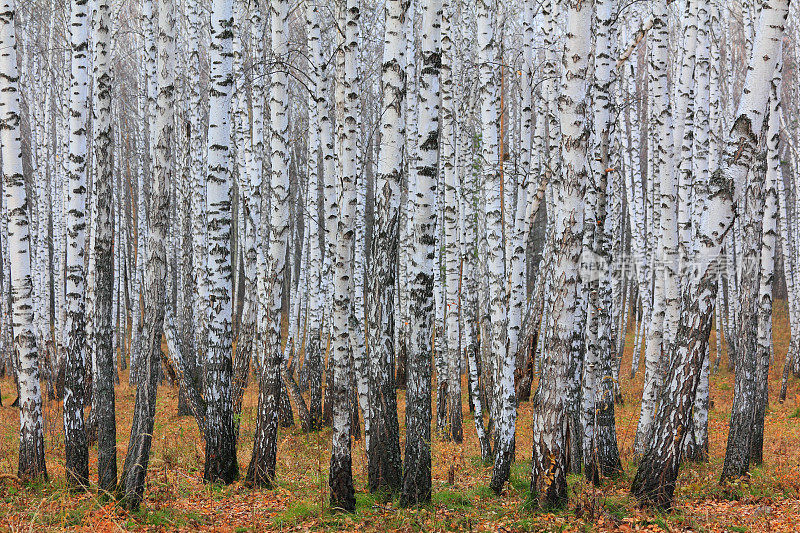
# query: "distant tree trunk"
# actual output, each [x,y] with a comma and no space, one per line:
[470,304]
[791,277]
[686,89]
[358,315]
[452,253]
[292,390]
[600,451]
[285,411]
[313,361]
[410,157]
[331,211]
[195,358]
[32,464]
[697,438]
[249,182]
[665,250]
[149,135]
[422,192]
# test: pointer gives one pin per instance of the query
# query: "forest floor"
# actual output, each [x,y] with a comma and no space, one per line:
[176,499]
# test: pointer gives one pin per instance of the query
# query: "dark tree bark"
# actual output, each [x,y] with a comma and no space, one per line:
[293,390]
[401,372]
[746,393]
[607,460]
[657,474]
[241,363]
[261,471]
[286,412]
[313,362]
[103,384]
[527,371]
[384,464]
[327,405]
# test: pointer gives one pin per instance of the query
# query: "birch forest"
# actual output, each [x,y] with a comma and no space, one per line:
[414,265]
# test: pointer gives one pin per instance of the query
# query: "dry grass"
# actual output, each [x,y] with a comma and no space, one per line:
[176,499]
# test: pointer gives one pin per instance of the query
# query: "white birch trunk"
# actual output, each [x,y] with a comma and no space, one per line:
[31,436]
[492,175]
[665,300]
[549,464]
[341,476]
[316,173]
[422,193]
[383,452]
[262,463]
[452,253]
[221,464]
[75,435]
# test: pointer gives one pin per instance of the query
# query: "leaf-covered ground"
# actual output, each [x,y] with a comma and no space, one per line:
[176,499]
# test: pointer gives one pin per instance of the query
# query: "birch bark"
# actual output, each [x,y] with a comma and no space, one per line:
[505,415]
[103,252]
[261,470]
[77,454]
[416,486]
[655,479]
[134,471]
[221,464]
[383,453]
[341,475]
[550,449]
[31,437]
[451,230]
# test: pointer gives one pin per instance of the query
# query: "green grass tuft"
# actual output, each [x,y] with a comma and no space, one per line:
[451,499]
[296,513]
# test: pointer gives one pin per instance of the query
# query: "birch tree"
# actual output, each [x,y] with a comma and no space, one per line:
[262,462]
[656,476]
[316,173]
[600,452]
[492,177]
[134,471]
[198,182]
[548,467]
[341,474]
[665,250]
[452,253]
[384,462]
[221,464]
[31,437]
[103,252]
[77,453]
[416,486]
